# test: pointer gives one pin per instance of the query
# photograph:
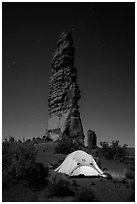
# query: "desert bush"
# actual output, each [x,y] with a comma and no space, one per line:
[85,195]
[64,146]
[114,150]
[37,175]
[56,163]
[67,145]
[98,161]
[129,174]
[129,160]
[76,146]
[131,167]
[132,197]
[17,159]
[60,185]
[96,152]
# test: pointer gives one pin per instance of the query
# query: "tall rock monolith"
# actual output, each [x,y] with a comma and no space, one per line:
[64,93]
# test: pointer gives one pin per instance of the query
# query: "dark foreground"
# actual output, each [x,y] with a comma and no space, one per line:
[116,189]
[105,190]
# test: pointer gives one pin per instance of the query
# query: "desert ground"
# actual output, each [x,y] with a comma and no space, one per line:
[115,189]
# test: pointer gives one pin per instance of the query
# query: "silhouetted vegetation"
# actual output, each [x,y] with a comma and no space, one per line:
[67,145]
[132,196]
[113,150]
[36,175]
[129,174]
[131,166]
[18,163]
[77,145]
[64,146]
[56,163]
[60,186]
[130,170]
[21,171]
[85,195]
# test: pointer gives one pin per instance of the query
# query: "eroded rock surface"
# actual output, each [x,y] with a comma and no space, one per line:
[64,92]
[91,139]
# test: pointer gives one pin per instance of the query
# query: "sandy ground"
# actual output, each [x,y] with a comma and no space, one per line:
[105,190]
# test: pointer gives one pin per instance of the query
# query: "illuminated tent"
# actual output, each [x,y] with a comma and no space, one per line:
[80,163]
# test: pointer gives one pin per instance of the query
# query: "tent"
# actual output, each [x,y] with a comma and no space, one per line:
[80,163]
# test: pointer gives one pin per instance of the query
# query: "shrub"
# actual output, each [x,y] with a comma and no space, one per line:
[76,146]
[85,195]
[56,163]
[132,197]
[60,185]
[67,145]
[37,174]
[18,164]
[114,150]
[17,159]
[129,174]
[131,167]
[64,146]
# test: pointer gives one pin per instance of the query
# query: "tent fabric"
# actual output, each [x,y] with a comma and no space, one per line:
[79,162]
[86,170]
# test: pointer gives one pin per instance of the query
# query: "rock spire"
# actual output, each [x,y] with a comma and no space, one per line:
[64,92]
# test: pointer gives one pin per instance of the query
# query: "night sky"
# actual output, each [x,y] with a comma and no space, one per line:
[104,39]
